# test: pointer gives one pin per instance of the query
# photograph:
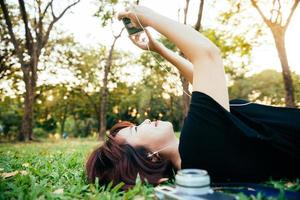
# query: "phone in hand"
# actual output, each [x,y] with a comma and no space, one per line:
[129,27]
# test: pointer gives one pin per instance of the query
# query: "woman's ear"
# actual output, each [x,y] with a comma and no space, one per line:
[154,157]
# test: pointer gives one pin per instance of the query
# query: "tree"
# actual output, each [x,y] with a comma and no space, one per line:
[278,28]
[90,60]
[28,50]
[90,67]
[104,89]
[106,13]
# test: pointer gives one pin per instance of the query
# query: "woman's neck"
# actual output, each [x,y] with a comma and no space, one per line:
[170,152]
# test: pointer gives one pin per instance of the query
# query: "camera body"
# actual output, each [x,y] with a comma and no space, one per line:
[130,29]
[191,184]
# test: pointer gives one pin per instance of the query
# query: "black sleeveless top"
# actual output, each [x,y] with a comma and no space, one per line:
[252,142]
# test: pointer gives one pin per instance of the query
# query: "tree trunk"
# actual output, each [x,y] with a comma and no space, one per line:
[104,94]
[200,13]
[171,106]
[104,90]
[27,119]
[30,79]
[62,128]
[279,37]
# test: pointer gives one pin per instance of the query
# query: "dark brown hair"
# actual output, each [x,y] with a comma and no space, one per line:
[113,162]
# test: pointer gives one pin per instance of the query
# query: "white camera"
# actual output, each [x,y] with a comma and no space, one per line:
[191,184]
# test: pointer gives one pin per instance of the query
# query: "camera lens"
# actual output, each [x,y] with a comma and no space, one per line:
[193,182]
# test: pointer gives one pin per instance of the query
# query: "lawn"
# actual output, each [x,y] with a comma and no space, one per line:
[55,170]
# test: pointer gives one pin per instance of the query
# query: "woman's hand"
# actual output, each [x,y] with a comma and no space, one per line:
[139,15]
[144,44]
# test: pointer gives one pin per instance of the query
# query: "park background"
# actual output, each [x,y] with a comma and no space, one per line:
[86,77]
[68,70]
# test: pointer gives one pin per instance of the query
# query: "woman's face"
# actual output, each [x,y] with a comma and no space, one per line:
[150,135]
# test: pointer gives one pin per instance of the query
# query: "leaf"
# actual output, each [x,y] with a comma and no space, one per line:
[9,174]
[139,197]
[289,184]
[109,186]
[138,180]
[118,187]
[25,164]
[23,172]
[59,191]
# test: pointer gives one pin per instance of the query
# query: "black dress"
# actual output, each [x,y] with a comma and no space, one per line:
[250,143]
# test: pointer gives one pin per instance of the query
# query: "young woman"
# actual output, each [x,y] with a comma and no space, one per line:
[233,141]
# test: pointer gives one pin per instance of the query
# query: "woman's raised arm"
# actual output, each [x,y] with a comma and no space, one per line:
[183,65]
[187,39]
[208,70]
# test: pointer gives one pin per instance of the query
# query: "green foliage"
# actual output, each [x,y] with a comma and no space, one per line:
[237,15]
[66,111]
[266,87]
[10,117]
[154,100]
[49,125]
[55,171]
[39,132]
[232,46]
[107,10]
[87,61]
[83,127]
[285,184]
[10,122]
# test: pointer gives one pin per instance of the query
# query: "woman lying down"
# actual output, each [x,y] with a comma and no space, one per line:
[235,141]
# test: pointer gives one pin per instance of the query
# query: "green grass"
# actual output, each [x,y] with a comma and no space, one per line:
[55,170]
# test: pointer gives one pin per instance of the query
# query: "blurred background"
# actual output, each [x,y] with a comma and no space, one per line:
[68,70]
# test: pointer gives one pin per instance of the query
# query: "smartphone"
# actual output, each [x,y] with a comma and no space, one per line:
[130,29]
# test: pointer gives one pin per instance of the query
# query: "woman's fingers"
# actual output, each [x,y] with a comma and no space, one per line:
[137,42]
[148,34]
[124,14]
[135,38]
[129,15]
[128,12]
